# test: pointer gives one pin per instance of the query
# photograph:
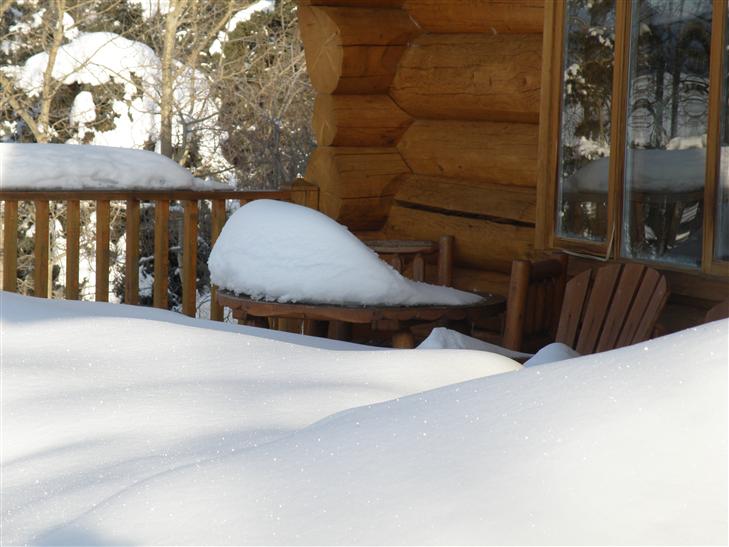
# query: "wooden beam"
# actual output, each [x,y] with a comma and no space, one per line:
[502,153]
[10,246]
[358,120]
[73,235]
[217,312]
[103,233]
[131,262]
[189,258]
[479,243]
[478,16]
[355,172]
[491,77]
[161,253]
[468,196]
[353,50]
[41,252]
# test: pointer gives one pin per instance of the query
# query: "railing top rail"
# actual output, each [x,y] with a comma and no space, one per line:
[152,195]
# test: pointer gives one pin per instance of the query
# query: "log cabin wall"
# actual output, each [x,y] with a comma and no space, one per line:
[427,123]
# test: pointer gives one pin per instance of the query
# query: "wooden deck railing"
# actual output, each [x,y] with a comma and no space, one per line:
[300,192]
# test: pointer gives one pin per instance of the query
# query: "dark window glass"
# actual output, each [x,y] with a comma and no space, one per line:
[585,124]
[668,100]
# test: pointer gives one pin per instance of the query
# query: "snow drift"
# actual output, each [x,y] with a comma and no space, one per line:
[288,253]
[121,430]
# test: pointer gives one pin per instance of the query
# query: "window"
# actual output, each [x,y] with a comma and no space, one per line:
[640,169]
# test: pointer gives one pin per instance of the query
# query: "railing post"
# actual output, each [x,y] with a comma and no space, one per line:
[217,312]
[103,232]
[161,252]
[305,193]
[40,267]
[73,233]
[131,261]
[189,258]
[10,246]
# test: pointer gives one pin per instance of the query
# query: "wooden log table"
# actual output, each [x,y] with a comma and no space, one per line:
[397,319]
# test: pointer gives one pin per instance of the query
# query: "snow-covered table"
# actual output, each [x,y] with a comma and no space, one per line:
[398,319]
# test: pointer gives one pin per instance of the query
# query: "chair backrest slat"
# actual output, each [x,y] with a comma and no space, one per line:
[636,314]
[652,311]
[598,304]
[572,306]
[623,299]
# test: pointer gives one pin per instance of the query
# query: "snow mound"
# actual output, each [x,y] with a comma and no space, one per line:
[627,447]
[282,252]
[444,338]
[78,166]
[95,398]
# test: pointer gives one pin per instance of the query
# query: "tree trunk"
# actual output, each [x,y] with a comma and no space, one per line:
[168,77]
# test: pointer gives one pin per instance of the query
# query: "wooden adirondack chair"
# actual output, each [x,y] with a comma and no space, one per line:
[616,306]
[619,307]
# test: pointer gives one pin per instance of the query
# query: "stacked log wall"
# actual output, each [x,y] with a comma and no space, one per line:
[427,123]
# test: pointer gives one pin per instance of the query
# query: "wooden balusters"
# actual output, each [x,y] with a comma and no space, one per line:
[131,265]
[103,232]
[40,266]
[161,251]
[189,258]
[73,234]
[10,246]
[217,222]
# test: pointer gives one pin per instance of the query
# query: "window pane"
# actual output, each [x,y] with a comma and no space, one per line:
[721,247]
[668,100]
[585,124]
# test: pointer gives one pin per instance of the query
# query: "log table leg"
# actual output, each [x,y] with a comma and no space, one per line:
[403,339]
[339,330]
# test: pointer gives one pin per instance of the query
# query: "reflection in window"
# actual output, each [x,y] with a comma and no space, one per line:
[585,125]
[722,205]
[668,99]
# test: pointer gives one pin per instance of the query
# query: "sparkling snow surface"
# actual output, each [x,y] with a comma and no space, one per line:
[288,253]
[78,166]
[119,430]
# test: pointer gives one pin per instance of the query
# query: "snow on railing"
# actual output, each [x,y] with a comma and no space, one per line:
[299,192]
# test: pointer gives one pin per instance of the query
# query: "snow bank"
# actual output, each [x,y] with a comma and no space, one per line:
[144,433]
[444,338]
[288,253]
[77,166]
[95,404]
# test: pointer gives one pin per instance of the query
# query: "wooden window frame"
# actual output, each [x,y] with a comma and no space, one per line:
[550,134]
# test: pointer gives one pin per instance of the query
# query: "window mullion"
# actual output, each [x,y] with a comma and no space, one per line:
[713,132]
[618,120]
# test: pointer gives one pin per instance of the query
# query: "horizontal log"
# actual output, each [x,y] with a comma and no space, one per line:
[479,243]
[473,197]
[356,213]
[353,50]
[352,172]
[473,16]
[471,77]
[358,120]
[503,153]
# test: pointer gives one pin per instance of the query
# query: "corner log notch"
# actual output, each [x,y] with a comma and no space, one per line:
[358,120]
[353,50]
[356,184]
